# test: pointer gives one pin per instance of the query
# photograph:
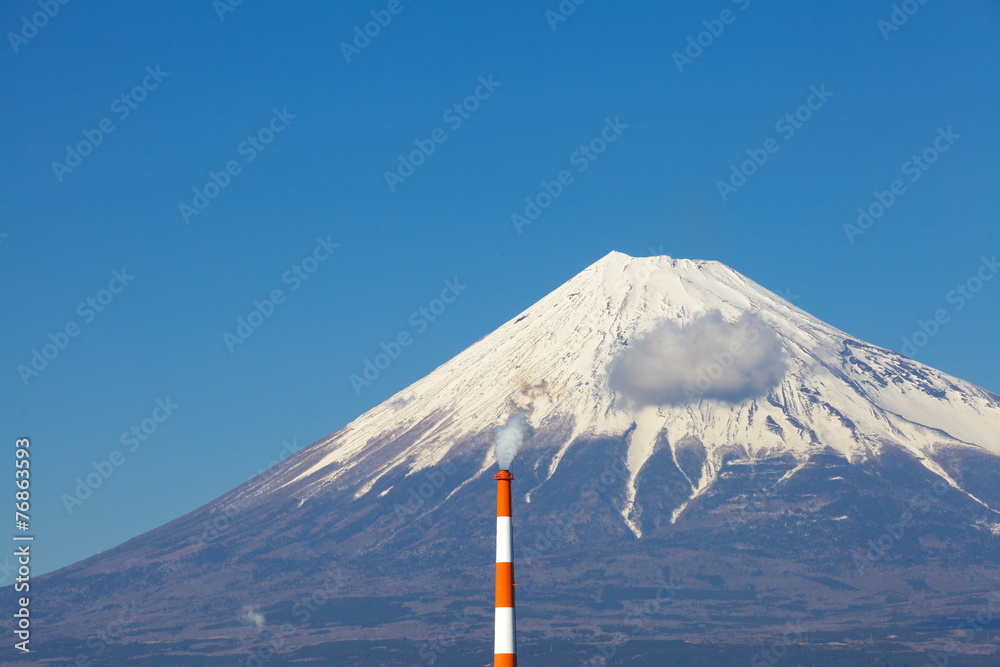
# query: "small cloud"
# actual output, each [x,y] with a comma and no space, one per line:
[705,358]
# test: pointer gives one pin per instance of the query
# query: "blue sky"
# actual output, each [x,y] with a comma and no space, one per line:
[299,138]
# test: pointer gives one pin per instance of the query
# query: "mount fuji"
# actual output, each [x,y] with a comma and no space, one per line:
[714,473]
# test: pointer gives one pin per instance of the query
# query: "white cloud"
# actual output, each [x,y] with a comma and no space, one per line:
[706,358]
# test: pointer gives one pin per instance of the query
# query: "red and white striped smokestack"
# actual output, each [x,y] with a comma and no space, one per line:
[504,646]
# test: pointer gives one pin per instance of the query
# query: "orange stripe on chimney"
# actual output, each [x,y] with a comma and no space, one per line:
[505,585]
[503,492]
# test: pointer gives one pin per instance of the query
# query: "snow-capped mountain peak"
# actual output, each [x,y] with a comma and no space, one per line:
[690,428]
[836,392]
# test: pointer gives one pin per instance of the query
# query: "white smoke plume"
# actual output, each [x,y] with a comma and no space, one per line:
[707,358]
[252,617]
[510,437]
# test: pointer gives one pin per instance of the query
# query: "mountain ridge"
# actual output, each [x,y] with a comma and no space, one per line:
[759,505]
[540,389]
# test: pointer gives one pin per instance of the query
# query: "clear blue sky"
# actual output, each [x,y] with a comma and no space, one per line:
[333,128]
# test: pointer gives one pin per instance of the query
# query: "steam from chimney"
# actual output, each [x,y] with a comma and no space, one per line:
[510,437]
[251,616]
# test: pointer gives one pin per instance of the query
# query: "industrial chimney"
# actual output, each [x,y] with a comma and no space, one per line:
[504,645]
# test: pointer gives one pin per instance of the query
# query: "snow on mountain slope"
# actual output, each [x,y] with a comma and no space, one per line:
[837,392]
